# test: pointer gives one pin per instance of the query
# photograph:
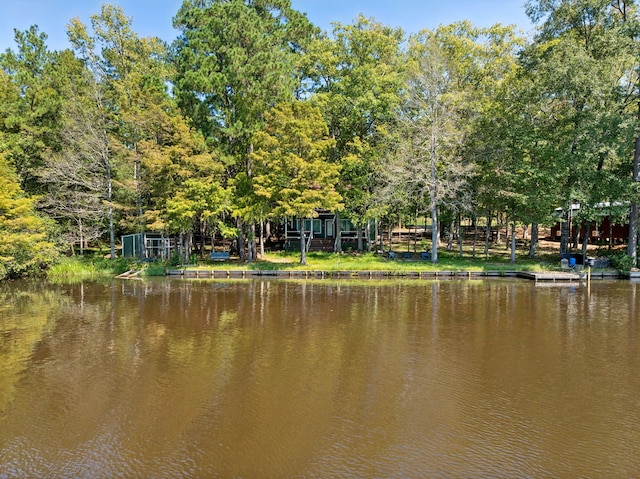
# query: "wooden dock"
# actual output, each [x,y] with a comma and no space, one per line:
[553,276]
[567,276]
[548,276]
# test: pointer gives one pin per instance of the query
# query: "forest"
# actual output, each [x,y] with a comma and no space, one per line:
[253,115]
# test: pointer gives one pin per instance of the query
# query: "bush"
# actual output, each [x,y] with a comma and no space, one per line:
[154,269]
[175,259]
[619,259]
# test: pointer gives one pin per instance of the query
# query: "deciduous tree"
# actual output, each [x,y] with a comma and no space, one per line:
[235,59]
[357,82]
[31,102]
[585,55]
[24,241]
[292,174]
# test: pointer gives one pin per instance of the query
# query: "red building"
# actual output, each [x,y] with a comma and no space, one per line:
[603,230]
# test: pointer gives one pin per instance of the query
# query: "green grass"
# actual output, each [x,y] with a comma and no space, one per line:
[498,260]
[88,267]
[154,269]
[447,261]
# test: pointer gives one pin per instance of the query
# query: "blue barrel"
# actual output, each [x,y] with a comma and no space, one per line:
[572,262]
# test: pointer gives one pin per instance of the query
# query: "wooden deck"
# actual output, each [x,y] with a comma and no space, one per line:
[553,276]
[567,276]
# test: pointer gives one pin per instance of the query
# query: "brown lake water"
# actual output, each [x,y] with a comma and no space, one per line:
[174,378]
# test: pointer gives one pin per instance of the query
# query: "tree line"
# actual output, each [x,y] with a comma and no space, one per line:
[253,115]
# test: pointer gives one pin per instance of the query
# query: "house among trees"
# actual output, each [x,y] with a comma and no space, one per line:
[610,224]
[147,246]
[321,233]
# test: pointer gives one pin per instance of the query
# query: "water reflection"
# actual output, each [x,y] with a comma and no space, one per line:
[174,378]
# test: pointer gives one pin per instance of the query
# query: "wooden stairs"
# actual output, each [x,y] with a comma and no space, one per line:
[321,244]
[131,274]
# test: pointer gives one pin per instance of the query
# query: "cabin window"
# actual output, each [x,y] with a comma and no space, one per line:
[314,225]
[345,225]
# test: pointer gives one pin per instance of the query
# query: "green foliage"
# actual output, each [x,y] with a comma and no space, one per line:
[234,60]
[154,269]
[619,259]
[293,177]
[581,72]
[175,260]
[357,83]
[227,77]
[292,174]
[31,80]
[24,243]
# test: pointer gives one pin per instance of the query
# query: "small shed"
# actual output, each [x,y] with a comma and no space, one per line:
[149,246]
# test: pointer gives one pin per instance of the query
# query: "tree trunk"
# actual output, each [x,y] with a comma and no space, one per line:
[611,232]
[534,240]
[189,246]
[475,236]
[240,239]
[254,244]
[112,229]
[81,237]
[337,246]
[251,242]
[432,198]
[203,236]
[632,248]
[137,180]
[487,237]
[513,243]
[576,236]
[434,232]
[564,233]
[140,245]
[415,233]
[450,235]
[507,243]
[360,243]
[261,239]
[303,245]
[460,235]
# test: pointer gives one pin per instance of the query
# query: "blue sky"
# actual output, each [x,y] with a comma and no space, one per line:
[153,17]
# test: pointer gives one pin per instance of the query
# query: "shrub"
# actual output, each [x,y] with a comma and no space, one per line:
[619,259]
[154,269]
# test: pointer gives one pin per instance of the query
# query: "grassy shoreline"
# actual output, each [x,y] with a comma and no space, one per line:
[93,267]
[88,267]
